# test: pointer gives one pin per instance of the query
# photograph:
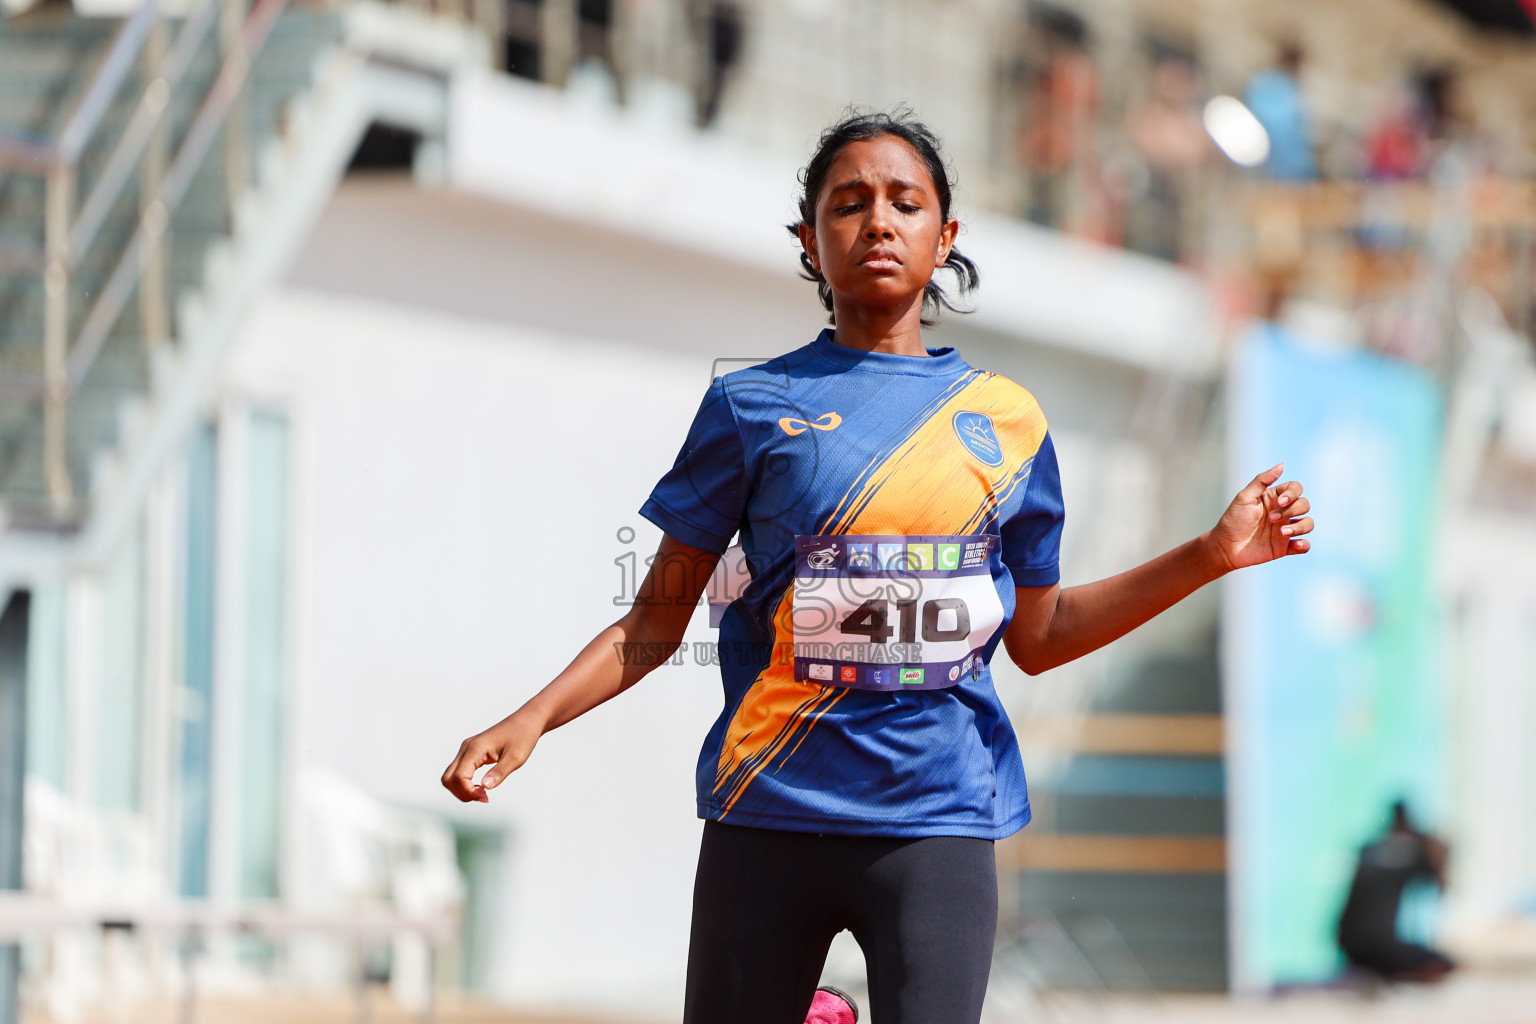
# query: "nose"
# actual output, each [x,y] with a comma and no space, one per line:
[879,226]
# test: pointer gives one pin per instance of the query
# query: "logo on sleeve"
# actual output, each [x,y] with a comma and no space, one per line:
[792,426]
[974,429]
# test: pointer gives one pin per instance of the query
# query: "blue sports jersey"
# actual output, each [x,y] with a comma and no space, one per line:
[888,506]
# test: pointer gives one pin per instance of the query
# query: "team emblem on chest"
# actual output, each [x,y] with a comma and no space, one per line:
[974,429]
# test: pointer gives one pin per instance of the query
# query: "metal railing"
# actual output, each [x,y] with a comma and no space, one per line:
[189,923]
[68,234]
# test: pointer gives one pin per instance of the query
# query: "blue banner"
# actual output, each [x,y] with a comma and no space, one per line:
[1330,680]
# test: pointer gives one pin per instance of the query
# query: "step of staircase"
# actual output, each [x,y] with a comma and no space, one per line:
[46,61]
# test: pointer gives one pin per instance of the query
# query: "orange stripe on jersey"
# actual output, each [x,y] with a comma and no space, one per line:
[929,483]
[900,436]
[932,484]
[772,710]
[755,725]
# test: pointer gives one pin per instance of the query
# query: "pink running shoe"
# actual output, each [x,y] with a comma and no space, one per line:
[832,1006]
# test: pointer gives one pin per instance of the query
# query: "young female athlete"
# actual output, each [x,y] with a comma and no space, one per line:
[901,515]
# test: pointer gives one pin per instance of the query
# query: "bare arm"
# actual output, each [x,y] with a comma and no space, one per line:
[1052,626]
[616,659]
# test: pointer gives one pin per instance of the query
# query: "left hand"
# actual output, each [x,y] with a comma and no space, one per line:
[1265,521]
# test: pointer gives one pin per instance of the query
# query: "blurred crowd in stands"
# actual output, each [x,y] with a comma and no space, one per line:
[1101,127]
[1358,204]
[1131,183]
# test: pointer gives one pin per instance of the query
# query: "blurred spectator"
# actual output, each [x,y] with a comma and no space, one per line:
[594,28]
[1397,147]
[1165,129]
[1275,98]
[1368,926]
[520,47]
[725,30]
[1418,117]
[1436,89]
[1057,141]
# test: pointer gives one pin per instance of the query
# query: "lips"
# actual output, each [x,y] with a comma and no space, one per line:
[880,259]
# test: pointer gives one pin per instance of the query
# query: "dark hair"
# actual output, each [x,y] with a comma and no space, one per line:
[861,127]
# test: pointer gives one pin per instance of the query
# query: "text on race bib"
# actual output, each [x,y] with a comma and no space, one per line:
[893,612]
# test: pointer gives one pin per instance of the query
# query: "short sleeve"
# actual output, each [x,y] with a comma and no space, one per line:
[1032,536]
[702,499]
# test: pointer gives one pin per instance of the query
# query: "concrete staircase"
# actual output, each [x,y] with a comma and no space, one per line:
[323,77]
[46,60]
[1158,918]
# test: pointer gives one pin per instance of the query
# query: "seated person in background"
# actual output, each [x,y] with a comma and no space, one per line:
[1368,925]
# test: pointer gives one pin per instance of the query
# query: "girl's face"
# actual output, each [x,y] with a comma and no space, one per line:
[879,232]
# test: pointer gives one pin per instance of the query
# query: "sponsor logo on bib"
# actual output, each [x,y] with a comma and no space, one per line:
[893,612]
[822,558]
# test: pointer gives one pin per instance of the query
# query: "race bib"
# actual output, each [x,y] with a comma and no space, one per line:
[891,612]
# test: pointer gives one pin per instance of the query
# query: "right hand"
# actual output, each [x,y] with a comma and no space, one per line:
[506,744]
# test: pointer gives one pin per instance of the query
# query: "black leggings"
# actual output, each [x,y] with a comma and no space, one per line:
[766,905]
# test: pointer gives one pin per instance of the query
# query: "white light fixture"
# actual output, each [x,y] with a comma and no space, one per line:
[1236,131]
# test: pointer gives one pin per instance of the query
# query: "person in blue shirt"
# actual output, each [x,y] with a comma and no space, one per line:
[1276,100]
[900,513]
